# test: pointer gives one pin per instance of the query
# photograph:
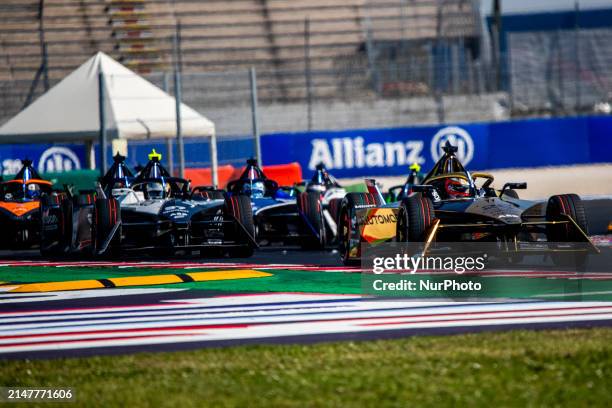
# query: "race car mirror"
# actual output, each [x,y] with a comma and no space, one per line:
[513,186]
[422,188]
[428,190]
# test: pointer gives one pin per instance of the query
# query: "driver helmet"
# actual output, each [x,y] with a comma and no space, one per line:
[255,189]
[155,190]
[456,187]
[33,191]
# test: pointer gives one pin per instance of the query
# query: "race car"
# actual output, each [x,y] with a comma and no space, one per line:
[397,193]
[281,214]
[330,193]
[19,208]
[151,211]
[450,206]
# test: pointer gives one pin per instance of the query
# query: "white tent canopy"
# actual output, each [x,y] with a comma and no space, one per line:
[135,109]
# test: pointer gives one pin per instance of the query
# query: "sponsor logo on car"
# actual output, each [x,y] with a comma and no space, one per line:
[377,224]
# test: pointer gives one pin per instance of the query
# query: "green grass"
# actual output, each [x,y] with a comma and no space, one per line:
[518,368]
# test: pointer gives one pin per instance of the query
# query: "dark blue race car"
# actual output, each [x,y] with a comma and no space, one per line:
[151,211]
[280,214]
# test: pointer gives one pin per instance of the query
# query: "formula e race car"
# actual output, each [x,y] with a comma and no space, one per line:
[19,208]
[397,193]
[152,211]
[330,193]
[450,206]
[280,214]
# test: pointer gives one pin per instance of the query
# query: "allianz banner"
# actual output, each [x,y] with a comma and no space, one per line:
[47,158]
[373,152]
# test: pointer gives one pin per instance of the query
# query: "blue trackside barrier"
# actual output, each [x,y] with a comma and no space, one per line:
[370,152]
[379,152]
[47,158]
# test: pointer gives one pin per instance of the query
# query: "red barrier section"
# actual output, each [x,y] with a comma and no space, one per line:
[284,174]
[203,177]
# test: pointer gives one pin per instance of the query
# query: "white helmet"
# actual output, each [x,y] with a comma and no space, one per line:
[255,189]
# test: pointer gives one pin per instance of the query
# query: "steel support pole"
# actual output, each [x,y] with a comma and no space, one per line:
[169,144]
[102,117]
[214,165]
[254,117]
[90,151]
[179,130]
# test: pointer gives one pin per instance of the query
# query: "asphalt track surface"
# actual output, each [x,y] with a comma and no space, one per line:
[163,318]
[116,321]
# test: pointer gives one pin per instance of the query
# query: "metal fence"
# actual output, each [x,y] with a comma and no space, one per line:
[392,83]
[561,73]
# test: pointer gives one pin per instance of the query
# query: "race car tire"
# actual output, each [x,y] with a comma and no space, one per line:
[238,206]
[345,220]
[571,205]
[415,216]
[565,204]
[107,213]
[54,244]
[309,205]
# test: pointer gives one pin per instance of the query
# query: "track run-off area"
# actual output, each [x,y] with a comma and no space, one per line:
[70,308]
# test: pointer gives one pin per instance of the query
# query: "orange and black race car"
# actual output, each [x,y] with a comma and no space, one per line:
[19,208]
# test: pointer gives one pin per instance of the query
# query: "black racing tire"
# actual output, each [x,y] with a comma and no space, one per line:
[238,207]
[58,243]
[415,216]
[309,205]
[346,219]
[565,204]
[107,213]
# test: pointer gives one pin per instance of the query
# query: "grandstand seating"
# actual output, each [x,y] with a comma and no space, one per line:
[219,35]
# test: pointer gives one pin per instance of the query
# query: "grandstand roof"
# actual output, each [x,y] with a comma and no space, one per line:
[135,109]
